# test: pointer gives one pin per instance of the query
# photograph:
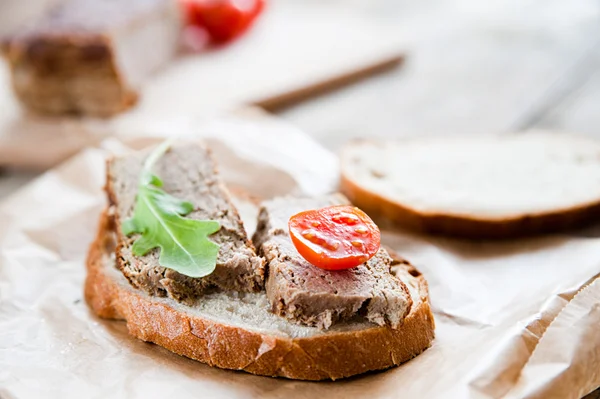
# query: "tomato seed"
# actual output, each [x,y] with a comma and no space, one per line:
[350,219]
[313,237]
[346,218]
[361,230]
[332,245]
[357,243]
[309,234]
[315,223]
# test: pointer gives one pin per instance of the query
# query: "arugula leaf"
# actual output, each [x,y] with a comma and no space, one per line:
[158,217]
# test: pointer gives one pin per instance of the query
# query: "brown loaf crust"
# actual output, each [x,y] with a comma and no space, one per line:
[333,355]
[68,74]
[378,206]
[67,60]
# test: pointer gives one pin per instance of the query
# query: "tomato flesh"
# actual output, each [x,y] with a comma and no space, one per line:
[224,20]
[335,237]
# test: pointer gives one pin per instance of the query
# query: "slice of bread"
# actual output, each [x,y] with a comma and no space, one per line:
[494,186]
[234,330]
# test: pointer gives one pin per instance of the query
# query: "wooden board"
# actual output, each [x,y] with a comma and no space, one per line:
[474,67]
[296,50]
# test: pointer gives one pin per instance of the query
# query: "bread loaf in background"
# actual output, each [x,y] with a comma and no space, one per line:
[90,57]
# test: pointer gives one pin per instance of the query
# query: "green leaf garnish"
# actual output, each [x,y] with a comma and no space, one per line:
[158,217]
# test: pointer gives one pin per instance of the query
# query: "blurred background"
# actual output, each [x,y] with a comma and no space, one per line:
[469,66]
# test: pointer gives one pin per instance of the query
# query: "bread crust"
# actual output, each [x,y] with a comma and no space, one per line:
[329,356]
[379,206]
[53,66]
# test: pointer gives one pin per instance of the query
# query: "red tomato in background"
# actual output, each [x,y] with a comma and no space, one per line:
[224,20]
[336,237]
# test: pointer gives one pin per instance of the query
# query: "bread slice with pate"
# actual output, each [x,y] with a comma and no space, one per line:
[237,331]
[172,258]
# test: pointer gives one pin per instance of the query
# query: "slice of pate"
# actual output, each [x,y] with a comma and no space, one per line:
[189,173]
[308,295]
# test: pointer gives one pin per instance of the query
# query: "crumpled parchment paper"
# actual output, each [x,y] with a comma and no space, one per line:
[514,319]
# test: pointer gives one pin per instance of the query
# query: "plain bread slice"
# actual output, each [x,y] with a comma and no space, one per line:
[489,186]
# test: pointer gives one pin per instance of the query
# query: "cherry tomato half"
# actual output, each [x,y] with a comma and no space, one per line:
[336,237]
[224,20]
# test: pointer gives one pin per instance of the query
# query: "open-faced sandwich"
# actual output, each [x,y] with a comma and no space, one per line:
[313,297]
